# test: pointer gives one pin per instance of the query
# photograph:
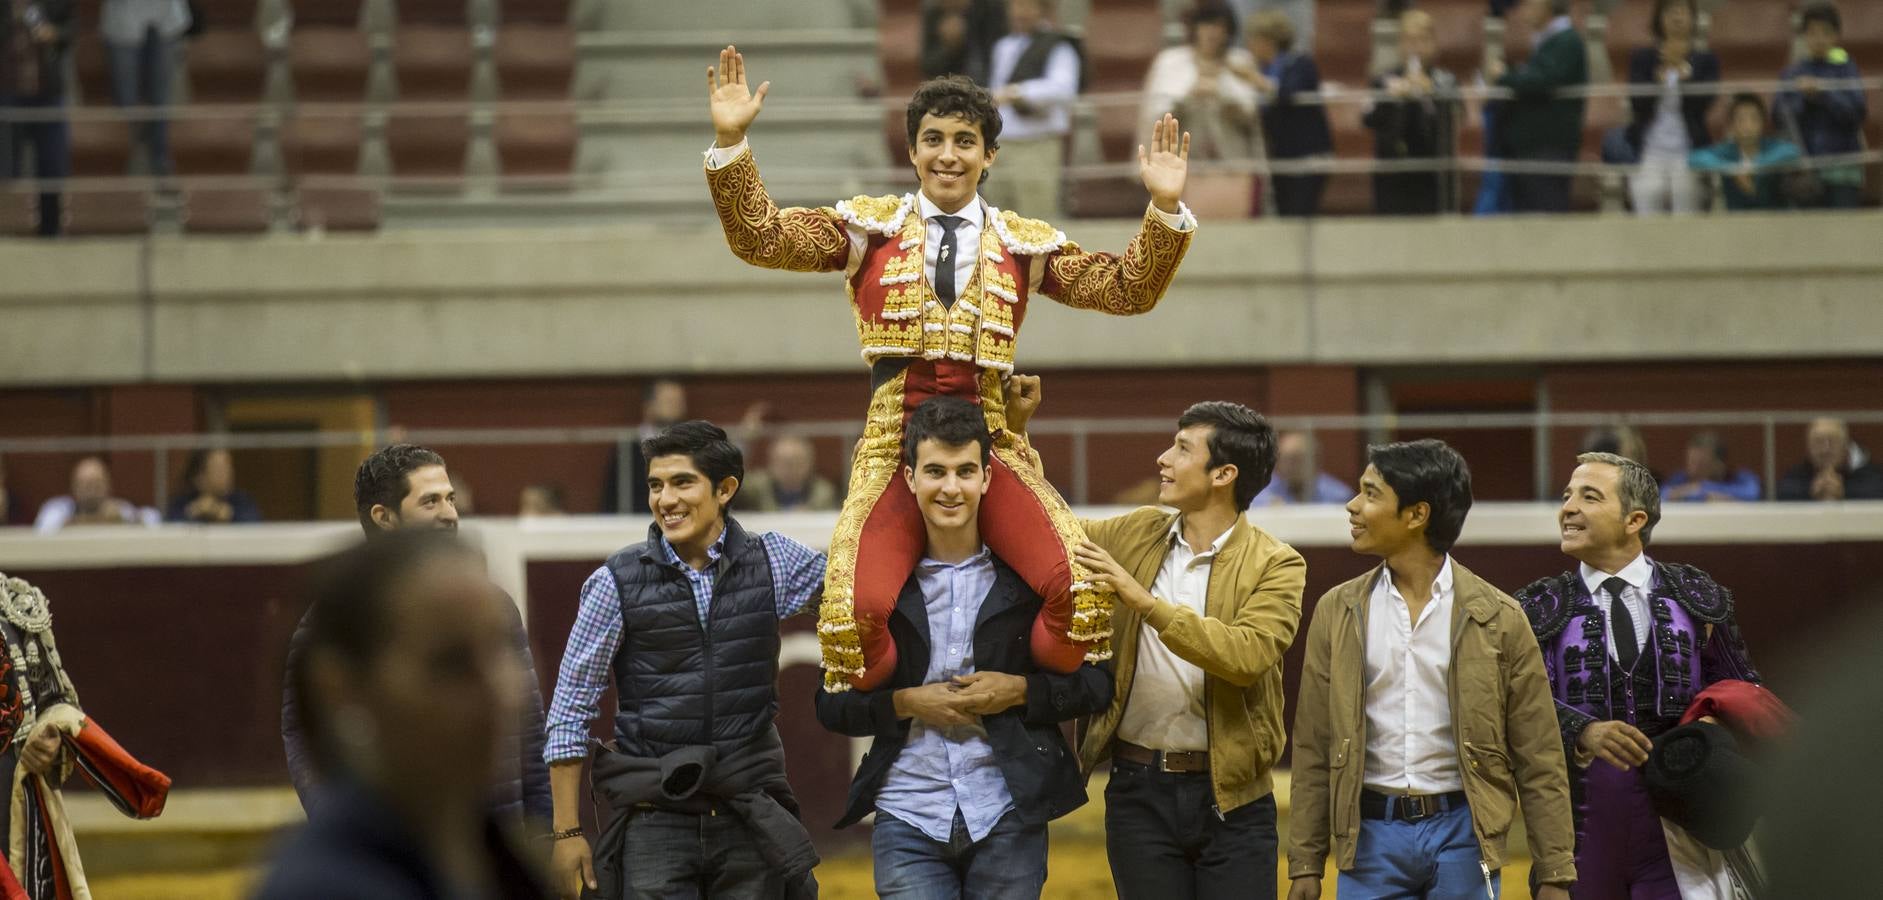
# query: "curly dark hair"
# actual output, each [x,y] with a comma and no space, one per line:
[950,421]
[956,95]
[382,481]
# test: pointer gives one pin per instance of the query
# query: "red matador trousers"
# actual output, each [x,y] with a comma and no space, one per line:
[880,537]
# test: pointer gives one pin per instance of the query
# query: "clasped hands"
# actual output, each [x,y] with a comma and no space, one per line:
[961,700]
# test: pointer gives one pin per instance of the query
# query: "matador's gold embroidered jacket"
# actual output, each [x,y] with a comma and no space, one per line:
[877,243]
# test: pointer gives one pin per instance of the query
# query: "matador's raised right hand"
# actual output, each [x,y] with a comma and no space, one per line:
[733,104]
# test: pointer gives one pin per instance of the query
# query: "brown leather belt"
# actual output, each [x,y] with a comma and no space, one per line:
[1162,760]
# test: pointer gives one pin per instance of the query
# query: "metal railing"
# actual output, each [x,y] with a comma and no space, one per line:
[1083,434]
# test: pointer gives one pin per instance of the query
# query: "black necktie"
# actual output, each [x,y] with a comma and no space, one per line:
[1622,624]
[945,260]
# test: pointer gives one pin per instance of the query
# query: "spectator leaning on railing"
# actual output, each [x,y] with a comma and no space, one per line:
[1538,125]
[1751,164]
[90,502]
[1834,469]
[1034,78]
[1294,131]
[1204,82]
[1826,120]
[143,36]
[209,495]
[1665,128]
[1419,122]
[1708,476]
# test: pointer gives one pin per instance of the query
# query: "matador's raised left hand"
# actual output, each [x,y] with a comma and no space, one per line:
[1167,165]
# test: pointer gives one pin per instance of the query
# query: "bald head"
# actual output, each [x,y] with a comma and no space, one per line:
[792,462]
[91,484]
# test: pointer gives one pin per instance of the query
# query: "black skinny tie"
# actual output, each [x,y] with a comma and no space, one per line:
[1627,648]
[945,260]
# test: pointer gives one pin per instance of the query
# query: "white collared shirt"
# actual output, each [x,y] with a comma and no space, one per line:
[1409,741]
[1640,576]
[1165,709]
[1050,95]
[1556,26]
[967,238]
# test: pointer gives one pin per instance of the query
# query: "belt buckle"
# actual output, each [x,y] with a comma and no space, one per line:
[1163,762]
[1414,809]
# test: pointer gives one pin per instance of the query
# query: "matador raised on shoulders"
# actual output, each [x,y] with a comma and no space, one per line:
[939,282]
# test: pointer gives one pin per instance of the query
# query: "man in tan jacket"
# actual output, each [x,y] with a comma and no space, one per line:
[1207,604]
[1424,711]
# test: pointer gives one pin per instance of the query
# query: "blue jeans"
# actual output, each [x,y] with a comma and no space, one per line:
[1435,859]
[140,76]
[1166,841]
[1008,864]
[673,855]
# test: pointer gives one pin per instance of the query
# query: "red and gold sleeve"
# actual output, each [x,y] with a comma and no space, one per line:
[1124,285]
[796,239]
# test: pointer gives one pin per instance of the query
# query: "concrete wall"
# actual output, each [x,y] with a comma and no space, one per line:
[669,298]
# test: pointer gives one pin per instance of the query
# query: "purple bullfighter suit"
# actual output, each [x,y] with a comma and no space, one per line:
[1692,642]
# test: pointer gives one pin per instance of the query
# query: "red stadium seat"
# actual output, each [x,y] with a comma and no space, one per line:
[428,146]
[227,211]
[431,12]
[101,147]
[537,144]
[327,13]
[337,209]
[330,64]
[534,61]
[106,212]
[227,65]
[433,62]
[212,145]
[321,144]
[535,12]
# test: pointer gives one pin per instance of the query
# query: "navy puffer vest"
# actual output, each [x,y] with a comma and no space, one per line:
[681,684]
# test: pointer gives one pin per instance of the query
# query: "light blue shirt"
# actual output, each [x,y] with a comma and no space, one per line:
[1327,489]
[942,770]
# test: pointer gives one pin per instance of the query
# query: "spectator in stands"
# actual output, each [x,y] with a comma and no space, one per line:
[1827,121]
[1708,476]
[143,36]
[407,685]
[1538,126]
[1300,14]
[1298,478]
[90,502]
[663,403]
[958,37]
[1295,131]
[1204,84]
[789,482]
[1621,440]
[1751,164]
[1420,122]
[1034,78]
[1665,128]
[209,494]
[35,37]
[540,501]
[1833,469]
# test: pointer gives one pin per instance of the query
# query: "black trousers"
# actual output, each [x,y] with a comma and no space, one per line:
[1541,193]
[1166,841]
[1298,195]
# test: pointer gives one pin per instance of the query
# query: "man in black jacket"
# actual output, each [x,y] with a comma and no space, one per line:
[405,487]
[968,763]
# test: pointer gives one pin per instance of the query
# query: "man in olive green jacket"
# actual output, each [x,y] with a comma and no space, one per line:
[1424,712]
[1207,605]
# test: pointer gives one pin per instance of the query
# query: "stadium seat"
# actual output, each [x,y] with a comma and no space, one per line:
[101,147]
[428,146]
[106,212]
[330,64]
[533,12]
[432,62]
[537,144]
[226,211]
[1120,42]
[431,12]
[321,145]
[899,47]
[91,62]
[223,14]
[326,13]
[1343,39]
[212,145]
[534,61]
[1753,39]
[227,65]
[337,209]
[19,212]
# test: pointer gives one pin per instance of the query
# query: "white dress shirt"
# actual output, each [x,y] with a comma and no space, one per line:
[1640,576]
[1165,709]
[1409,741]
[1051,94]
